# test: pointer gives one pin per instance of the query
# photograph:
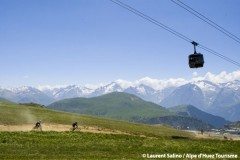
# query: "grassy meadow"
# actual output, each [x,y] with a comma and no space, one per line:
[139,139]
[77,145]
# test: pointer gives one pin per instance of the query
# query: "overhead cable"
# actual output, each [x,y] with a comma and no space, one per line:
[178,34]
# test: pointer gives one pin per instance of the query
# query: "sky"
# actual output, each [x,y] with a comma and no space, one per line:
[61,42]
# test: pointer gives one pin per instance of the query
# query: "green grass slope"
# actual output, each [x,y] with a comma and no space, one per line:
[14,114]
[128,107]
[77,145]
[82,145]
[114,105]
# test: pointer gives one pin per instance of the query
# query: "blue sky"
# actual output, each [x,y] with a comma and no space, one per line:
[92,41]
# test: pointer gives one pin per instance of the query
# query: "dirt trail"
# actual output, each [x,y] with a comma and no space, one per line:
[58,128]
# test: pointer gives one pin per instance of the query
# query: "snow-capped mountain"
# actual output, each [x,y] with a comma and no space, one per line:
[112,87]
[25,94]
[7,94]
[185,94]
[209,90]
[148,93]
[235,85]
[71,91]
[145,92]
[228,95]
[205,95]
[213,98]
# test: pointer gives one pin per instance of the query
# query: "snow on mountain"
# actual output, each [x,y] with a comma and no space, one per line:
[112,87]
[206,85]
[227,97]
[148,93]
[141,88]
[7,94]
[208,96]
[202,93]
[209,90]
[70,91]
[235,85]
[145,92]
[25,90]
[188,94]
[26,94]
[149,89]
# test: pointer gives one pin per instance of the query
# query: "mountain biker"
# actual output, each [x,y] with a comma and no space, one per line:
[74,126]
[38,125]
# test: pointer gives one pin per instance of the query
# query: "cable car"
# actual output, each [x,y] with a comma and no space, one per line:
[195,60]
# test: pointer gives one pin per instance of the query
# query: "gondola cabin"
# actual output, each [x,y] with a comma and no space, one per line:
[195,60]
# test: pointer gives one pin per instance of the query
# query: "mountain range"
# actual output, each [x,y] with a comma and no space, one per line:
[220,99]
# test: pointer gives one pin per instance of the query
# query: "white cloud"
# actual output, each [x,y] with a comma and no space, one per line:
[160,84]
[222,77]
[46,87]
[154,83]
[123,83]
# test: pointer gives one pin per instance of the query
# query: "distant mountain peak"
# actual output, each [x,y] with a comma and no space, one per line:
[24,89]
[233,84]
[112,87]
[206,85]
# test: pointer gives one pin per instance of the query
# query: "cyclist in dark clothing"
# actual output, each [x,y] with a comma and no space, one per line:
[74,126]
[38,125]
